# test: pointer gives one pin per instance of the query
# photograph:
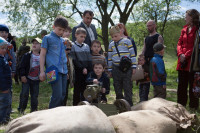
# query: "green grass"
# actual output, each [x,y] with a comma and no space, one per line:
[45,90]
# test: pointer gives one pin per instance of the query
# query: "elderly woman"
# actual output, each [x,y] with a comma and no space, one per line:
[184,51]
[124,34]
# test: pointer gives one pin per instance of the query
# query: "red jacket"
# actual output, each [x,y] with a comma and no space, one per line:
[185,46]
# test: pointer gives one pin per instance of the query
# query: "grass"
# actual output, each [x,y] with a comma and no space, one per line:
[45,91]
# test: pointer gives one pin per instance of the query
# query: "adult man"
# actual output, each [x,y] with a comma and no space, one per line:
[86,24]
[150,40]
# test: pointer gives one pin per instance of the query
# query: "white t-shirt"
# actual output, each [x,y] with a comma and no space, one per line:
[34,67]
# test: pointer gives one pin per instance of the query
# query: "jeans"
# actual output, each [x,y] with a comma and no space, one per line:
[122,81]
[58,91]
[33,85]
[144,91]
[5,102]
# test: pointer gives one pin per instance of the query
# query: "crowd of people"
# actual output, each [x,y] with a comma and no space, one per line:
[82,61]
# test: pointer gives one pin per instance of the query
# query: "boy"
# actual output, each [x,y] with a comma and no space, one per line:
[80,53]
[5,83]
[53,52]
[121,79]
[29,73]
[144,83]
[67,33]
[157,71]
[98,76]
[96,57]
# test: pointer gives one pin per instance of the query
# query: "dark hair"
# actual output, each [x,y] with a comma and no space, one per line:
[96,41]
[80,30]
[98,63]
[194,14]
[69,29]
[89,12]
[61,21]
[43,32]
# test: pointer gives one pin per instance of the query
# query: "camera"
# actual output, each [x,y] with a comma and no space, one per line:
[183,64]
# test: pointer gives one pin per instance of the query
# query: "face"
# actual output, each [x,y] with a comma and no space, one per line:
[4,34]
[80,38]
[96,48]
[150,27]
[87,19]
[162,52]
[98,69]
[141,61]
[3,50]
[36,46]
[121,29]
[59,30]
[66,34]
[188,19]
[116,37]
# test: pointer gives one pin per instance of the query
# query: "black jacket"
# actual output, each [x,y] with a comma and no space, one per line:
[24,65]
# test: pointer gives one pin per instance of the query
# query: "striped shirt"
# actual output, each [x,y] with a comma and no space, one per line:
[125,48]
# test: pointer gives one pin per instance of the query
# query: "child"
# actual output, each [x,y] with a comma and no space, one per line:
[96,57]
[67,33]
[68,45]
[80,53]
[98,76]
[122,80]
[5,83]
[53,52]
[157,71]
[144,83]
[29,73]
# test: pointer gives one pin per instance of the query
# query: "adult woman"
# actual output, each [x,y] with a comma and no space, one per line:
[184,51]
[124,34]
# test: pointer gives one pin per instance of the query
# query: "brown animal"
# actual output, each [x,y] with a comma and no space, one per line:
[170,109]
[74,119]
[143,121]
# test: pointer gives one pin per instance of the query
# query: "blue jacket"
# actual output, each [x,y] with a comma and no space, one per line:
[5,75]
[157,70]
[104,79]
[87,39]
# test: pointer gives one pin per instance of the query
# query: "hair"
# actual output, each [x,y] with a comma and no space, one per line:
[95,41]
[61,21]
[98,63]
[194,14]
[43,32]
[121,25]
[80,31]
[89,12]
[69,29]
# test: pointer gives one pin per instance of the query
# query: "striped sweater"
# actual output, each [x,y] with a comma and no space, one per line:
[125,48]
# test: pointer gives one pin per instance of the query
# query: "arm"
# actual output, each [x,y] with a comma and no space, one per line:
[144,48]
[13,60]
[160,39]
[179,45]
[106,84]
[42,62]
[110,50]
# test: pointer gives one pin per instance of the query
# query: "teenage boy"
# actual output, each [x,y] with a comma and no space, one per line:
[157,71]
[29,74]
[80,53]
[53,52]
[5,83]
[121,79]
[98,76]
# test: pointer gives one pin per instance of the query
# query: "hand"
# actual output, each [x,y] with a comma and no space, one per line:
[109,74]
[103,90]
[23,79]
[13,75]
[182,58]
[84,71]
[133,71]
[67,76]
[42,76]
[164,86]
[95,81]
